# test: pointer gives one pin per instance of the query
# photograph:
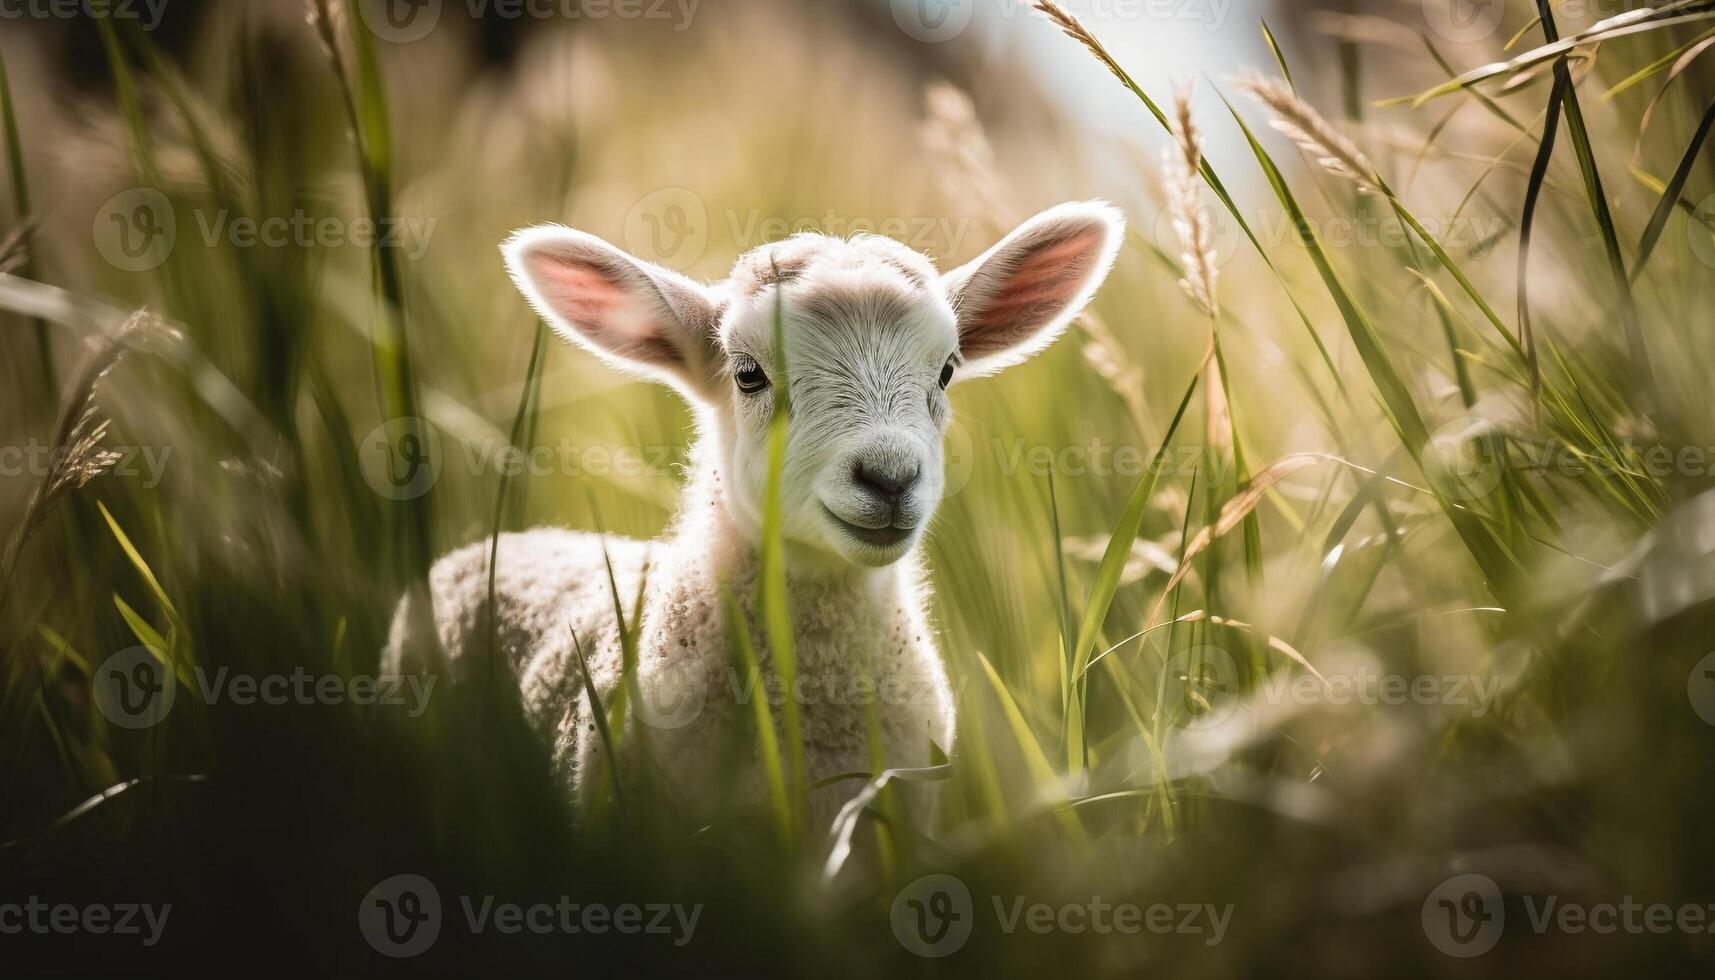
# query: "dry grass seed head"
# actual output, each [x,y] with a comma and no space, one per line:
[1301,123]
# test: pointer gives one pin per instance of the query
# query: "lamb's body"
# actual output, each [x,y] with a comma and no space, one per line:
[860,638]
[853,345]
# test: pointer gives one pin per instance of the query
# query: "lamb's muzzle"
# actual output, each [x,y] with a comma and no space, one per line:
[873,339]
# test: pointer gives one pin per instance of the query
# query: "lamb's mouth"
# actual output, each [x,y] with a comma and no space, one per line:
[879,537]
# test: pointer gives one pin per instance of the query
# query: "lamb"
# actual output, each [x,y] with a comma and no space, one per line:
[874,337]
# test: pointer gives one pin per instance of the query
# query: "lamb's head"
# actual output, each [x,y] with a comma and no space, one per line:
[873,337]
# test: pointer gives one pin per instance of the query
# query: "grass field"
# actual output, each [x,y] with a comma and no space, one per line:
[1336,596]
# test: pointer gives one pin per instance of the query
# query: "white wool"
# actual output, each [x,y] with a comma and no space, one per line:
[871,330]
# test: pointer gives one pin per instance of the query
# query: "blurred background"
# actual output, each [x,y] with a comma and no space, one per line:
[1382,630]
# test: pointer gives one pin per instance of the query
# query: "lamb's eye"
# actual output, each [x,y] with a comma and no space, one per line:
[946,375]
[750,377]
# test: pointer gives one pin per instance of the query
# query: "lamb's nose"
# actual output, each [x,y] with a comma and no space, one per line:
[889,479]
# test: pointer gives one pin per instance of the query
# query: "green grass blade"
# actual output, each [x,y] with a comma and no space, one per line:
[1274,49]
[768,742]
[1656,67]
[532,378]
[136,559]
[1527,224]
[1395,397]
[1579,134]
[365,101]
[1407,218]
[601,727]
[1501,567]
[1624,25]
[1452,268]
[1461,370]
[14,146]
[1482,98]
[1106,583]
[130,104]
[21,207]
[1214,181]
[776,603]
[1034,759]
[1670,196]
[63,650]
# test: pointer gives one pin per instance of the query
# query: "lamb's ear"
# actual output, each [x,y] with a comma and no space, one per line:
[639,317]
[1017,298]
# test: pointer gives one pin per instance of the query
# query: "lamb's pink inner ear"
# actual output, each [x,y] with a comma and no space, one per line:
[601,304]
[1037,288]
